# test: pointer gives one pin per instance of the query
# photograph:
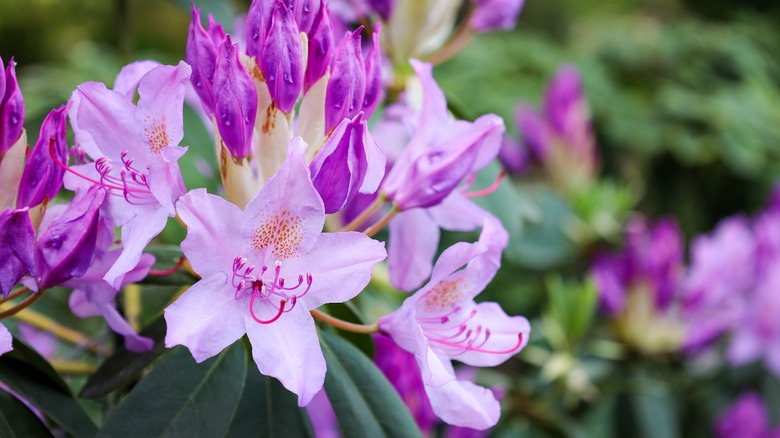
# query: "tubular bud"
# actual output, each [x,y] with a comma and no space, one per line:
[11,110]
[347,84]
[235,101]
[373,92]
[320,47]
[42,177]
[201,54]
[66,248]
[281,60]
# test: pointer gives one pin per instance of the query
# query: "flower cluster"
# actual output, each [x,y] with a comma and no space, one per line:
[288,103]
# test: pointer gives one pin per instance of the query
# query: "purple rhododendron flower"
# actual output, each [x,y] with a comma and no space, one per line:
[441,322]
[249,262]
[135,152]
[745,418]
[17,241]
[42,178]
[715,293]
[495,14]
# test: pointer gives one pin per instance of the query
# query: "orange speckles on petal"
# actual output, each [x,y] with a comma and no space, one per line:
[444,296]
[281,233]
[156,135]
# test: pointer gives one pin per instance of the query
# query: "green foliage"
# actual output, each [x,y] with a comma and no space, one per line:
[17,421]
[364,401]
[182,398]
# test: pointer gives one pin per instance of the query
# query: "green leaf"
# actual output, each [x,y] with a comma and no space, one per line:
[221,10]
[124,364]
[654,408]
[16,420]
[267,409]
[26,375]
[365,403]
[545,242]
[182,398]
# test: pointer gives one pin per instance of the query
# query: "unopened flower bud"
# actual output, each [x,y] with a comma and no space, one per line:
[347,85]
[281,61]
[66,247]
[17,239]
[11,110]
[42,177]
[235,101]
[201,54]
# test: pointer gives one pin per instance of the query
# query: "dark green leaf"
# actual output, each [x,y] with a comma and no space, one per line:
[545,242]
[16,420]
[31,357]
[182,398]
[267,409]
[364,401]
[25,374]
[124,365]
[654,409]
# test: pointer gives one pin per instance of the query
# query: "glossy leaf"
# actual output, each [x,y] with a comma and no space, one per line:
[267,409]
[17,420]
[365,403]
[182,398]
[124,365]
[24,373]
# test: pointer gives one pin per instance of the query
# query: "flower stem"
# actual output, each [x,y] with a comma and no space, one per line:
[47,324]
[344,325]
[72,367]
[373,229]
[15,294]
[13,310]
[376,205]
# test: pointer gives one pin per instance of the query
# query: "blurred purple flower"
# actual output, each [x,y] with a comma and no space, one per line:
[495,14]
[323,419]
[745,418]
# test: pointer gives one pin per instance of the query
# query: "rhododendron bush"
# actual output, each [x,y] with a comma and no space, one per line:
[341,218]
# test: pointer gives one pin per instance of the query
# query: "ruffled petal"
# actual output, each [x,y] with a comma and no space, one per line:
[127,80]
[287,215]
[464,404]
[414,238]
[161,104]
[136,234]
[288,349]
[213,240]
[206,318]
[340,265]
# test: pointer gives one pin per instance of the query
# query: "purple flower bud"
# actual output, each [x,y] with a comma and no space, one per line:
[216,32]
[17,238]
[235,101]
[258,20]
[320,45]
[373,92]
[568,113]
[350,162]
[495,14]
[66,248]
[281,62]
[347,85]
[382,7]
[513,155]
[201,54]
[2,79]
[11,110]
[306,13]
[534,132]
[42,177]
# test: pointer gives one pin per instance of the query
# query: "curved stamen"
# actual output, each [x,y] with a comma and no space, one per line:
[488,190]
[252,309]
[467,348]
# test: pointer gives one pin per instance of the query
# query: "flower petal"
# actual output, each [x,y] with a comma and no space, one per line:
[6,340]
[508,335]
[464,404]
[133,341]
[136,234]
[127,80]
[414,238]
[288,349]
[161,105]
[287,215]
[340,265]
[212,241]
[206,318]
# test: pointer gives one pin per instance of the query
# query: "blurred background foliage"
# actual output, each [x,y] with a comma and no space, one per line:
[685,96]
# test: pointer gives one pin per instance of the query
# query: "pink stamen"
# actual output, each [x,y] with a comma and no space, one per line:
[486,191]
[467,348]
[169,271]
[260,321]
[246,284]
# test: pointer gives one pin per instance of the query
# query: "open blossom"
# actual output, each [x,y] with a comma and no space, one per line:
[432,155]
[262,270]
[441,322]
[134,148]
